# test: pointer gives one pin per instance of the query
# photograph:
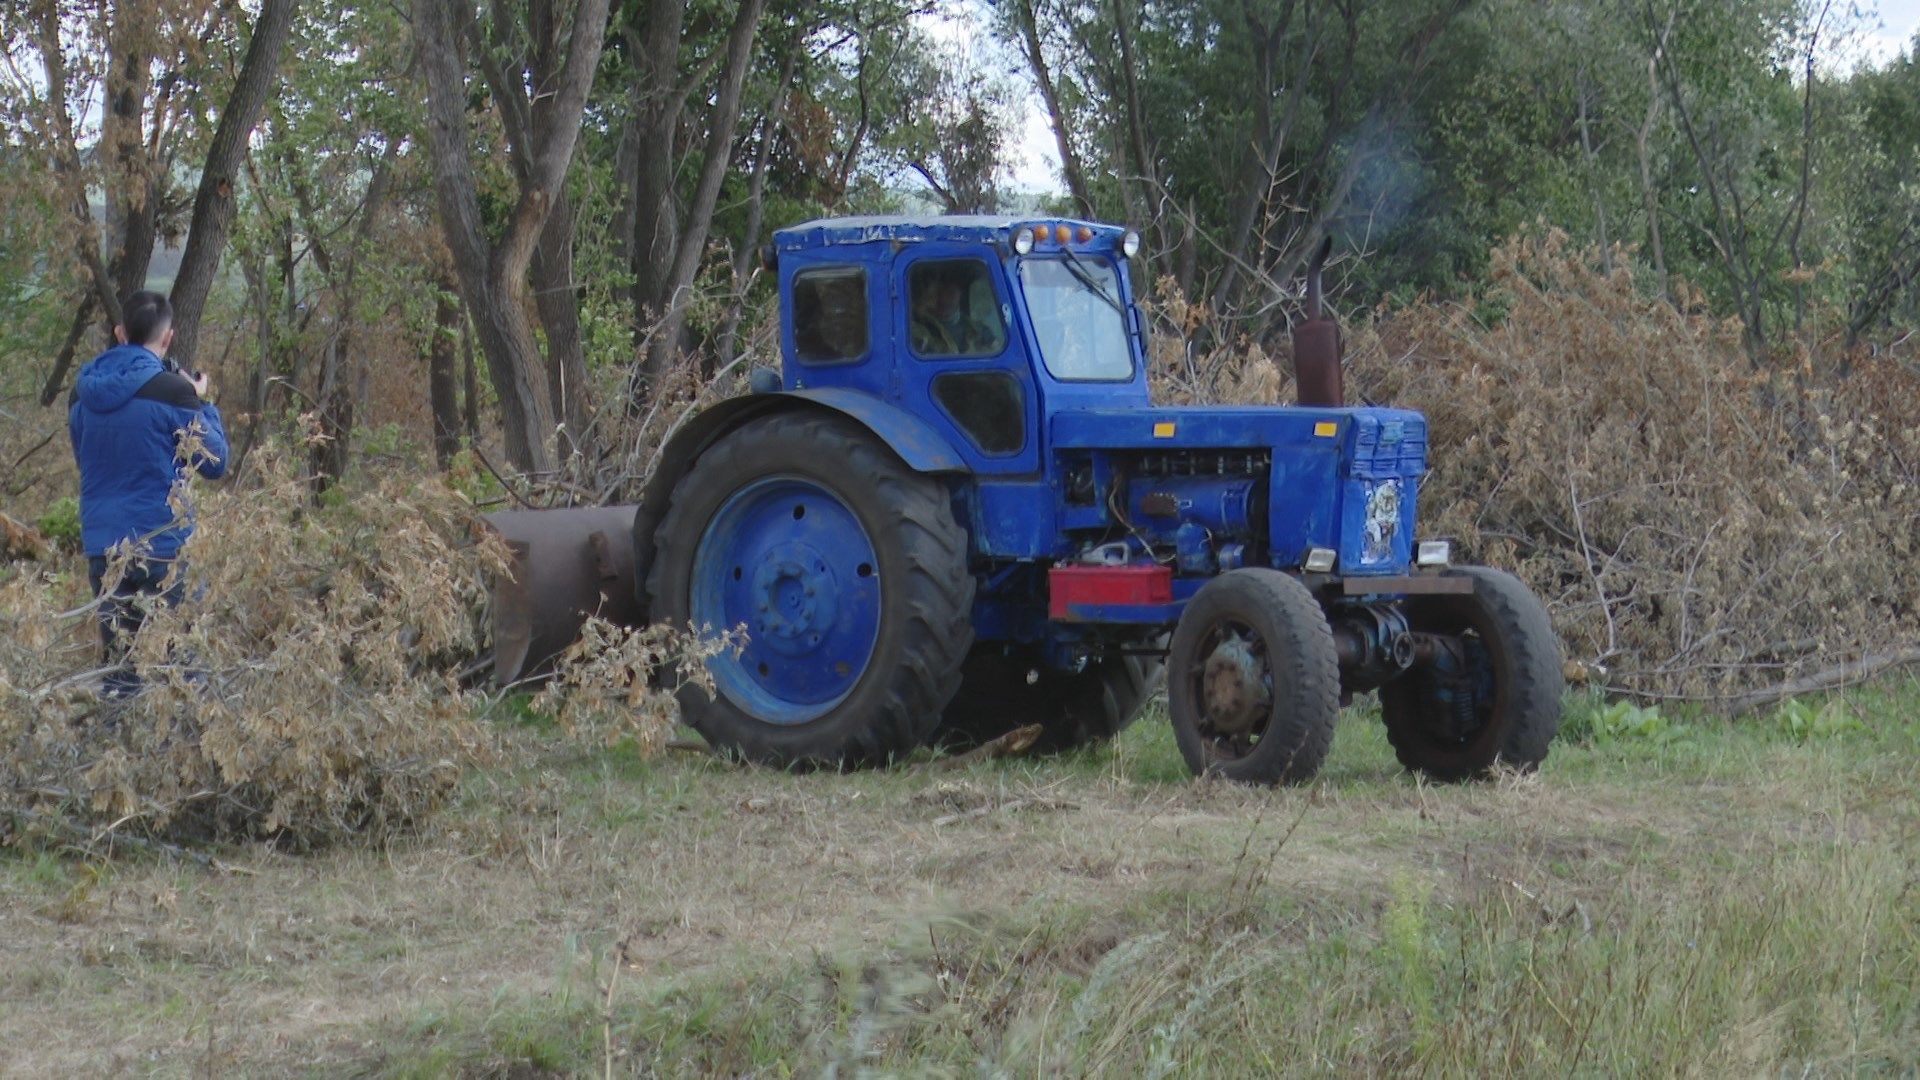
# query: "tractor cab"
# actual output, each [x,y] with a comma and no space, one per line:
[981,326]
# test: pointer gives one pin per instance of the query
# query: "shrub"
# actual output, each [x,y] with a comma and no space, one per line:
[60,524]
[305,692]
[1802,721]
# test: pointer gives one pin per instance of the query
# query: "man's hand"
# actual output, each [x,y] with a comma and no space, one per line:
[200,383]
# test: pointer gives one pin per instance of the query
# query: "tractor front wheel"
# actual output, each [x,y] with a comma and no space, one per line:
[1487,690]
[848,573]
[1253,682]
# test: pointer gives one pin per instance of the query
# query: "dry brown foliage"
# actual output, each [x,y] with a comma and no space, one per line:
[305,691]
[604,686]
[1697,524]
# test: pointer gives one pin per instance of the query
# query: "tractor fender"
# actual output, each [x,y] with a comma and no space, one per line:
[917,443]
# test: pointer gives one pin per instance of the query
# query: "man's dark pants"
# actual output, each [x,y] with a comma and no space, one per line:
[145,583]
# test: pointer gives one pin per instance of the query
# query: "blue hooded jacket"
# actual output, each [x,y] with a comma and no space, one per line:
[127,412]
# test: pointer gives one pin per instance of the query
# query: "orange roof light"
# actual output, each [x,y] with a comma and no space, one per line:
[1085,234]
[1062,233]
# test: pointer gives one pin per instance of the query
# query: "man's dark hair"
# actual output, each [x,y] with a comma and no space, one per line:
[146,315]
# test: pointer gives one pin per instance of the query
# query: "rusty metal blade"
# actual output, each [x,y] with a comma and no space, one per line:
[567,564]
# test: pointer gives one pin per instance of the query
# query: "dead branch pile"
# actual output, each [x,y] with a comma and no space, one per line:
[308,688]
[305,690]
[1699,524]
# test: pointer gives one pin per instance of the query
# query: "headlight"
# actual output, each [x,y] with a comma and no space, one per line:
[1130,244]
[1434,553]
[1320,560]
[1022,241]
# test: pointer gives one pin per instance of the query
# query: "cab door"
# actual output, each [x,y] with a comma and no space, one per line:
[961,362]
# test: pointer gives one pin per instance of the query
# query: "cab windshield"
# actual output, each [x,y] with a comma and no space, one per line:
[1075,306]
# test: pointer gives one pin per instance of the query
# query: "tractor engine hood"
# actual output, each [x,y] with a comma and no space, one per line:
[1341,478]
[1205,427]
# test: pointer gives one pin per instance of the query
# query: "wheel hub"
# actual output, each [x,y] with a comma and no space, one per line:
[1234,688]
[794,592]
[787,558]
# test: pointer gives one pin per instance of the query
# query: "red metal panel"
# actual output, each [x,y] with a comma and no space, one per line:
[1071,585]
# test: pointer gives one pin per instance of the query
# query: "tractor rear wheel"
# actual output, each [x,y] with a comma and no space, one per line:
[1491,695]
[1253,682]
[849,574]
[1001,690]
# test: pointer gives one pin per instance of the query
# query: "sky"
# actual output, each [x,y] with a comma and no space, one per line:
[1887,27]
[1900,20]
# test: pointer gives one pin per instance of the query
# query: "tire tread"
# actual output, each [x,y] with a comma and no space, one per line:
[938,588]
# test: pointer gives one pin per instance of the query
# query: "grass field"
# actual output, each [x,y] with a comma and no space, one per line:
[1663,897]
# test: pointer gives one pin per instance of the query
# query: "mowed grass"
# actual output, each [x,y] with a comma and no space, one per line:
[1684,895]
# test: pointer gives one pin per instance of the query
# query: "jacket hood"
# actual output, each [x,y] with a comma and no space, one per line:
[115,376]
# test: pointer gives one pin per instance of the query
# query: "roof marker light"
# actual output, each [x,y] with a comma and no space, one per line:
[1085,234]
[1062,233]
[1022,240]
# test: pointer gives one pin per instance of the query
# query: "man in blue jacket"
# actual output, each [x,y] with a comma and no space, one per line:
[130,416]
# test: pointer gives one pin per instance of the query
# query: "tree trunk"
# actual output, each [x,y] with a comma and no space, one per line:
[441,388]
[132,186]
[343,371]
[747,255]
[493,276]
[1649,194]
[57,378]
[1584,90]
[1729,231]
[469,381]
[260,384]
[557,297]
[1146,173]
[721,122]
[59,131]
[333,452]
[213,203]
[1076,177]
[649,213]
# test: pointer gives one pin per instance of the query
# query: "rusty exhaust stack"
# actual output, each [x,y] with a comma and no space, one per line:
[1316,345]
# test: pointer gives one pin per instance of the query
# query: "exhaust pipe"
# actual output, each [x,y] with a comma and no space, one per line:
[1317,378]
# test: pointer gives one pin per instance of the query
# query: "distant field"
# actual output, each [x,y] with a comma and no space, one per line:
[1661,898]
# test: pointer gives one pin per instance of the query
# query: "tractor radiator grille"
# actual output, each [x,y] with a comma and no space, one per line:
[1201,463]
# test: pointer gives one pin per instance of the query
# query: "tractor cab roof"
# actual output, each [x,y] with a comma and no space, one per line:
[919,228]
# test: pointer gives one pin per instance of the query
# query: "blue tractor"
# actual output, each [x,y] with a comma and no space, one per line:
[957,511]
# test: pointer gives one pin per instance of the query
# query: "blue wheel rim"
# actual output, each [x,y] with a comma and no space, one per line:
[787,559]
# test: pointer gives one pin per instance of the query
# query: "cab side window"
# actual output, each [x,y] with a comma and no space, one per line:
[953,310]
[830,314]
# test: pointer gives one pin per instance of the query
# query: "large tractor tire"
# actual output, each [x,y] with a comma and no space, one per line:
[1253,682]
[849,574]
[1002,690]
[1497,702]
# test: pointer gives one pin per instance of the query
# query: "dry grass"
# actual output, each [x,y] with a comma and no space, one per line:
[1727,899]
